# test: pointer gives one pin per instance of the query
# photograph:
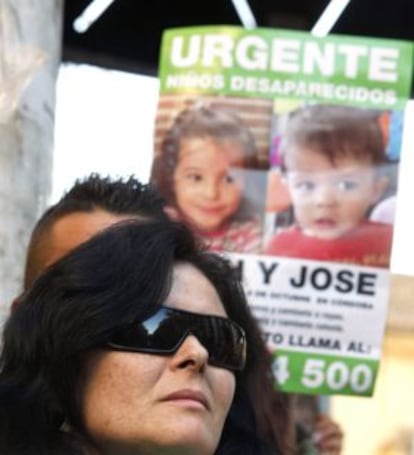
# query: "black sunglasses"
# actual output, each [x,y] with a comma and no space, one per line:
[164,332]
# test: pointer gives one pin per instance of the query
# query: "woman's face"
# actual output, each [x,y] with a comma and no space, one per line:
[144,403]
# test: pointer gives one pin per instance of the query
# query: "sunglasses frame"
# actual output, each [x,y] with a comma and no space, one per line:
[191,316]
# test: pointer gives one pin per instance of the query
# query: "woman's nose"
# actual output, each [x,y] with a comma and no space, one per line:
[191,354]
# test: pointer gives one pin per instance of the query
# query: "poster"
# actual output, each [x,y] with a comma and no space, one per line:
[281,150]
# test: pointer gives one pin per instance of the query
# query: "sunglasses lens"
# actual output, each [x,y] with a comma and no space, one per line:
[224,341]
[164,332]
[160,333]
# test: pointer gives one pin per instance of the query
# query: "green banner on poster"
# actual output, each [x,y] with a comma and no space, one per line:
[274,63]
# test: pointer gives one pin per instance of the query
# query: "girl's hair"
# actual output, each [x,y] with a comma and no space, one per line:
[119,275]
[219,124]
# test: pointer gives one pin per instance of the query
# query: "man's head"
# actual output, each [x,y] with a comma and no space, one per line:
[89,206]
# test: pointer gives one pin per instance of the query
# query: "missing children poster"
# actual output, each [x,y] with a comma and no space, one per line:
[281,151]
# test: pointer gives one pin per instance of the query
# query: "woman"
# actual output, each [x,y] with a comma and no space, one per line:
[133,343]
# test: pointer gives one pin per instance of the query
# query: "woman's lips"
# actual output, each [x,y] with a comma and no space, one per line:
[188,395]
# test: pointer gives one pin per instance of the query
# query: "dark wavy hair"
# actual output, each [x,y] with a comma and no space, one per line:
[121,274]
[118,196]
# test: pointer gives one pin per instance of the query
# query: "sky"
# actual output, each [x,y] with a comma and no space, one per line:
[111,132]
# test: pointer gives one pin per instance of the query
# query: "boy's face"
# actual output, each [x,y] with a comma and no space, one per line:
[207,184]
[330,199]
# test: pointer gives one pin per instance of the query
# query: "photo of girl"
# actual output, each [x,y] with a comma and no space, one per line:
[208,169]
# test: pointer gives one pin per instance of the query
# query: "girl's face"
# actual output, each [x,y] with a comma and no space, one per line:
[331,200]
[207,185]
[146,403]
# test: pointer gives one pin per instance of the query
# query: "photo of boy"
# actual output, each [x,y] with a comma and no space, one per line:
[208,172]
[333,162]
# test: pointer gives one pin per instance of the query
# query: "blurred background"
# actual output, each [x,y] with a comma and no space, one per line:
[127,34]
[106,98]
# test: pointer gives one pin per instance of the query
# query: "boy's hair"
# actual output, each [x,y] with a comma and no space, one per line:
[200,121]
[335,131]
[116,196]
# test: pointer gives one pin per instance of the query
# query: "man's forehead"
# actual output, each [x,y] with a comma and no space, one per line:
[73,229]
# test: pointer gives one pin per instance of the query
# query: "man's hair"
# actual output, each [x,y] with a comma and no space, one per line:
[336,132]
[117,196]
